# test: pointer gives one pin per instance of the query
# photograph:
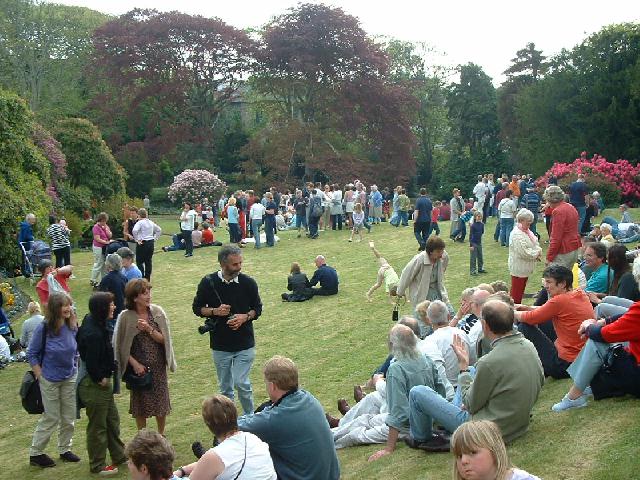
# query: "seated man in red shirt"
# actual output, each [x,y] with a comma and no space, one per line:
[58,278]
[559,345]
[208,238]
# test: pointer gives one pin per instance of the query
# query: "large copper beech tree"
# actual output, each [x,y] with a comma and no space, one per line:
[334,113]
[170,75]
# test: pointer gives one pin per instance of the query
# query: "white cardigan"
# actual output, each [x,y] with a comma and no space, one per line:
[523,253]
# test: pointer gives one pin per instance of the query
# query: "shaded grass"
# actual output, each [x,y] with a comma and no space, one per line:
[336,342]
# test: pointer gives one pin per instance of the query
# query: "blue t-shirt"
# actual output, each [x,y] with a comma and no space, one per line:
[598,280]
[132,272]
[424,207]
[232,214]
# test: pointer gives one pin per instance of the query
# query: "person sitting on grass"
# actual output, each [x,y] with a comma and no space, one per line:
[237,453]
[298,284]
[558,343]
[506,386]
[150,456]
[326,276]
[480,454]
[129,269]
[294,426]
[386,275]
[358,222]
[605,367]
[384,417]
[208,237]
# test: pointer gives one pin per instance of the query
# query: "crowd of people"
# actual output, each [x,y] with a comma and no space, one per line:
[457,378]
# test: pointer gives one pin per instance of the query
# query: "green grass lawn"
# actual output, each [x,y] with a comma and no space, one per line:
[336,343]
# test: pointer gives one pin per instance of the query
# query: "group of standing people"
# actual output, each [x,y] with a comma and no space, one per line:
[85,362]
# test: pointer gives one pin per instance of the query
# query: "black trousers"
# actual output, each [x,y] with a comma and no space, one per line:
[553,365]
[323,292]
[144,253]
[188,241]
[63,256]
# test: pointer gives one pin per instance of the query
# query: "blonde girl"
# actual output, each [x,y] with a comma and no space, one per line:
[480,454]
[358,222]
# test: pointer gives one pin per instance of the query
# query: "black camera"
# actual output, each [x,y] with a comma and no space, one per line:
[209,326]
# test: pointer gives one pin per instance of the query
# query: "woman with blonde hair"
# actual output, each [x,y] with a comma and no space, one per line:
[53,355]
[142,344]
[357,222]
[480,454]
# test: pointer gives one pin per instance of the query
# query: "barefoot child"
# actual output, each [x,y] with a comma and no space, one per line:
[386,274]
[358,221]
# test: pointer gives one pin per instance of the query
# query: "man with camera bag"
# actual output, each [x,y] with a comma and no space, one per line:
[229,301]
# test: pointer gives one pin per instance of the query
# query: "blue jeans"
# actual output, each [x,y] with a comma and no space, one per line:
[255,228]
[233,370]
[425,406]
[506,225]
[588,363]
[177,243]
[461,230]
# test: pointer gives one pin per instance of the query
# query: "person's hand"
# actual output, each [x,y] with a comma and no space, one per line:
[223,310]
[465,308]
[368,295]
[593,297]
[461,352]
[139,369]
[104,382]
[584,325]
[519,307]
[470,247]
[379,454]
[143,325]
[237,320]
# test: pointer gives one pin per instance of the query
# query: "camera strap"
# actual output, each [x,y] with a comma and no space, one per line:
[210,278]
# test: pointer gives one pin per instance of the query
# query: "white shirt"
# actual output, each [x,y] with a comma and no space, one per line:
[145,229]
[430,349]
[187,220]
[5,351]
[507,208]
[480,191]
[442,338]
[245,447]
[257,211]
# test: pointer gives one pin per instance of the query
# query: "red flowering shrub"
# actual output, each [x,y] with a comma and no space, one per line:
[621,177]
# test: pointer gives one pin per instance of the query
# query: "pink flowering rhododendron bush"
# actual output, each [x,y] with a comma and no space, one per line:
[194,185]
[620,178]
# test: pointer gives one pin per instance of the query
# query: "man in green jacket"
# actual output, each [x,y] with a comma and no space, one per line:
[505,387]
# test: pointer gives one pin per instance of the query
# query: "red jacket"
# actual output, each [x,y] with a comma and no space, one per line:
[564,231]
[624,329]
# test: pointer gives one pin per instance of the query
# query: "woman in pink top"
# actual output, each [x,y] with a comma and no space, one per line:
[101,238]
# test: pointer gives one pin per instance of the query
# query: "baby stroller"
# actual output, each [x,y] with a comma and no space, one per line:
[39,251]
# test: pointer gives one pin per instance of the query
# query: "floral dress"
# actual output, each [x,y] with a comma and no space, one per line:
[154,402]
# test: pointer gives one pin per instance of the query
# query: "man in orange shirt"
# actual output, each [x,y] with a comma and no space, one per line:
[514,186]
[558,345]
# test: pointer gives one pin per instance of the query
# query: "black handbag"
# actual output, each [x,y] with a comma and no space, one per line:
[30,387]
[137,382]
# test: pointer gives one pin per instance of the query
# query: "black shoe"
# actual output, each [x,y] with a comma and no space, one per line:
[70,457]
[197,449]
[482,271]
[42,460]
[437,443]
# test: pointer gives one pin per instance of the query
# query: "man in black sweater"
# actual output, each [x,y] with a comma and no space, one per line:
[230,302]
[326,276]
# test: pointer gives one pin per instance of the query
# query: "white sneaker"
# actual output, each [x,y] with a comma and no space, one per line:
[566,403]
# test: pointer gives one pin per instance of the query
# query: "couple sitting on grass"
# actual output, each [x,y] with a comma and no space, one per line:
[301,288]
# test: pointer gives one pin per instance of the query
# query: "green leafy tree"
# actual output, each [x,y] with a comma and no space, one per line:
[90,163]
[24,176]
[44,48]
[588,100]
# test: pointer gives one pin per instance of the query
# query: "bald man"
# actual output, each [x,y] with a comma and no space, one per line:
[326,276]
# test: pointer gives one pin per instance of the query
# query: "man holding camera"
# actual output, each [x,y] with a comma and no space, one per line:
[229,301]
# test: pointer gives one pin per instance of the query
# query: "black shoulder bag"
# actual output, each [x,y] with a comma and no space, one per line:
[30,386]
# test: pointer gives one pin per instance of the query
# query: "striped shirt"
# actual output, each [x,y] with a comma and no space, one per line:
[59,236]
